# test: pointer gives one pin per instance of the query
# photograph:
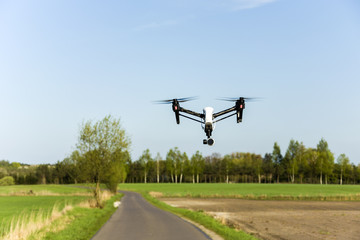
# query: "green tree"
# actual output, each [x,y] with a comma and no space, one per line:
[70,167]
[325,160]
[257,165]
[227,166]
[197,166]
[268,167]
[212,167]
[15,165]
[7,181]
[354,173]
[43,174]
[171,163]
[343,162]
[302,163]
[277,159]
[291,159]
[184,163]
[158,160]
[117,169]
[98,143]
[3,172]
[146,163]
[174,164]
[312,158]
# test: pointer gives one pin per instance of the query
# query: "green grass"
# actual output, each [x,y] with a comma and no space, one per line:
[16,203]
[78,223]
[56,189]
[84,222]
[203,219]
[251,191]
[13,207]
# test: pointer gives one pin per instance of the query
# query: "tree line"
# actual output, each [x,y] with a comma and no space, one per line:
[298,164]
[102,156]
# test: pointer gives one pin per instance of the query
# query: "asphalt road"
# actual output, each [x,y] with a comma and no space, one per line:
[138,219]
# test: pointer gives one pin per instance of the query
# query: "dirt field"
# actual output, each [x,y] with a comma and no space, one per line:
[282,219]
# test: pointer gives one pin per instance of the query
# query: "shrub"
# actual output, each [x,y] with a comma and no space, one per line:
[7,181]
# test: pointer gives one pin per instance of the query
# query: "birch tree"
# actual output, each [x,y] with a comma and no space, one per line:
[184,165]
[171,164]
[145,161]
[343,162]
[291,159]
[325,159]
[158,159]
[197,165]
[227,166]
[312,157]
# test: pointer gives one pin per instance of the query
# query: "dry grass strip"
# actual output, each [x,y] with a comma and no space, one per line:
[26,224]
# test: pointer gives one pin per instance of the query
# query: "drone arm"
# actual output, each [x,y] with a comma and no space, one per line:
[224,112]
[224,117]
[191,112]
[190,118]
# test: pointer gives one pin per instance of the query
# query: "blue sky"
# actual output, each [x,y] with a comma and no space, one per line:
[65,62]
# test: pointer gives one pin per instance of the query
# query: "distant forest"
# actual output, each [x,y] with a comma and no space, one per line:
[299,164]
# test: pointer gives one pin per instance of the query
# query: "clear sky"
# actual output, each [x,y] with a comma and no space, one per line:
[65,62]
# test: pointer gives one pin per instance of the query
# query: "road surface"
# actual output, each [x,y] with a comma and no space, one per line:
[138,219]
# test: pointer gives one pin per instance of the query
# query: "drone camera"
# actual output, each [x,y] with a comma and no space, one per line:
[210,141]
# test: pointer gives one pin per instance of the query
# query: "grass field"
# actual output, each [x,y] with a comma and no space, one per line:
[85,222]
[15,206]
[251,191]
[49,209]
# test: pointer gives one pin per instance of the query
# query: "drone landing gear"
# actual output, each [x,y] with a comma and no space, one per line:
[209,141]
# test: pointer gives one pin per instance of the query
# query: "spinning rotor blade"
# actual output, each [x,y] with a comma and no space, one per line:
[163,101]
[169,101]
[248,99]
[186,99]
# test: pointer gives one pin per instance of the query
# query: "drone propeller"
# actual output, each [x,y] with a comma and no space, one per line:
[248,99]
[169,101]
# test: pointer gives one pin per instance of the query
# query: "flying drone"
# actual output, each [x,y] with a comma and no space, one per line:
[208,118]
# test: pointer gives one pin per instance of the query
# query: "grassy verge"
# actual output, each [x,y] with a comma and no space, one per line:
[16,211]
[201,218]
[81,223]
[51,212]
[252,191]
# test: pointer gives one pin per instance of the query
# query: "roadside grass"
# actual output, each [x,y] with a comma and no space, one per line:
[50,209]
[251,191]
[203,219]
[16,208]
[81,223]
[27,224]
[51,189]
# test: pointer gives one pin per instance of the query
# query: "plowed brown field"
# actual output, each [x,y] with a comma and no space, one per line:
[282,219]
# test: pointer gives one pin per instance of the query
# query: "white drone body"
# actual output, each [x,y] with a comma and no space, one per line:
[208,124]
[209,115]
